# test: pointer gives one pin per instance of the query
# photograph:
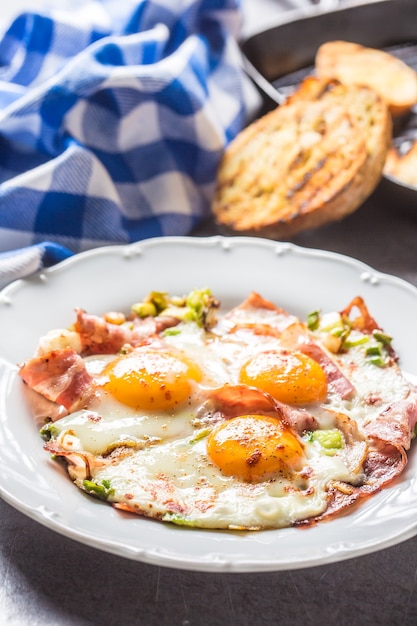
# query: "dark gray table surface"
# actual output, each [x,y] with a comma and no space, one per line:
[51,580]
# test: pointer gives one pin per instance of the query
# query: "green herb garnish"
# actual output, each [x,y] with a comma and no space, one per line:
[101,490]
[313,320]
[198,306]
[330,440]
[178,519]
[49,431]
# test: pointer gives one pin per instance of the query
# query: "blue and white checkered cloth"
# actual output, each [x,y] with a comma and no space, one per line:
[113,118]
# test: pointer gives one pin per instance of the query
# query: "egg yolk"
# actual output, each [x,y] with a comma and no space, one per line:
[253,447]
[151,379]
[290,377]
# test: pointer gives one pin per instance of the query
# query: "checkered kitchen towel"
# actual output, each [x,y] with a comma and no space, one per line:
[113,117]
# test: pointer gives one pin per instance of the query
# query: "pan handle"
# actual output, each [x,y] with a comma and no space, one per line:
[267,90]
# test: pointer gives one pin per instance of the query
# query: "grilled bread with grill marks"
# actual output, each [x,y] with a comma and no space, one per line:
[352,63]
[370,113]
[312,160]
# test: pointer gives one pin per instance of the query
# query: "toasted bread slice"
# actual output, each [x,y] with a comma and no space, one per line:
[352,63]
[312,160]
[369,111]
[402,166]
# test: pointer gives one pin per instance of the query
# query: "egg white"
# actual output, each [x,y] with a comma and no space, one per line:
[375,387]
[177,482]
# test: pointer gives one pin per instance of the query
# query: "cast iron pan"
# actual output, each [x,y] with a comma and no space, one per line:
[278,58]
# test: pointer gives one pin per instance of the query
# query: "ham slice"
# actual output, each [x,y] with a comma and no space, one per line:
[101,337]
[256,301]
[60,376]
[98,336]
[396,423]
[336,380]
[234,400]
[81,465]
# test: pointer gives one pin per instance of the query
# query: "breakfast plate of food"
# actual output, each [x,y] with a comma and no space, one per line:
[213,403]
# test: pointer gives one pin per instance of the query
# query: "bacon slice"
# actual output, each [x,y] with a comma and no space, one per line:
[81,465]
[98,336]
[234,400]
[101,337]
[60,376]
[43,409]
[396,423]
[256,301]
[336,380]
[363,321]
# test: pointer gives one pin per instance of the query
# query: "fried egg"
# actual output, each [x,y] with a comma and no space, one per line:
[160,439]
[190,482]
[152,393]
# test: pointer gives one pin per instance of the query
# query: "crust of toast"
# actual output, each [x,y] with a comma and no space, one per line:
[313,160]
[402,166]
[352,63]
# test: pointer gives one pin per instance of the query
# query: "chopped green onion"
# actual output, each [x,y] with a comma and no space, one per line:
[170,332]
[377,360]
[178,519]
[198,306]
[313,320]
[330,322]
[337,330]
[101,490]
[383,338]
[144,309]
[330,439]
[375,349]
[200,435]
[49,431]
[352,343]
[375,355]
[154,303]
[198,298]
[159,299]
[178,301]
[344,334]
[202,306]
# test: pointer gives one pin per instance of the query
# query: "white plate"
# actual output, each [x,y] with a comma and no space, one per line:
[298,279]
